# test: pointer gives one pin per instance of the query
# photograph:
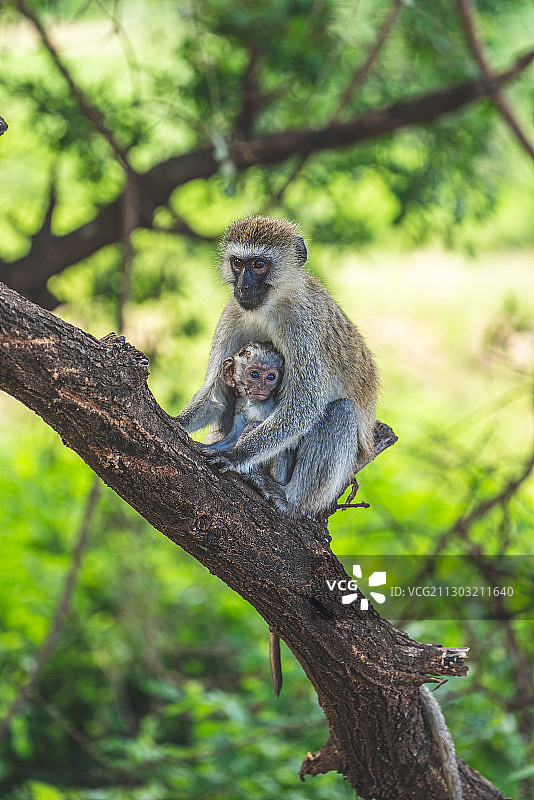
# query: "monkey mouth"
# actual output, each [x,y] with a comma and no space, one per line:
[249,300]
[249,303]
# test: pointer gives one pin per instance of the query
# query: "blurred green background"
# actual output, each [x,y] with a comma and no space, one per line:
[154,683]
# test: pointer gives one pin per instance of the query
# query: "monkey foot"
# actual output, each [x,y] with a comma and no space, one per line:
[264,485]
[269,490]
[219,460]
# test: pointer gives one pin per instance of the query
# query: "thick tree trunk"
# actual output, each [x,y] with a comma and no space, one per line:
[366,673]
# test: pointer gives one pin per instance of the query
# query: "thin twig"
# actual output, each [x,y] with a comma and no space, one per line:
[61,612]
[498,95]
[358,78]
[276,199]
[501,498]
[210,74]
[335,50]
[345,506]
[93,114]
[130,197]
[129,222]
[363,71]
[464,522]
[127,48]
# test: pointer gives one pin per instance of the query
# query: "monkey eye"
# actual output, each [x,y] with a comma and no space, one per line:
[254,374]
[259,265]
[272,376]
[236,264]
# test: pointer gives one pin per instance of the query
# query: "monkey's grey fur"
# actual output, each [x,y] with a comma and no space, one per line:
[249,411]
[443,739]
[326,403]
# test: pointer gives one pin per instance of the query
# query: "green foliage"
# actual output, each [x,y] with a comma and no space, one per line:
[158,684]
[171,80]
[147,689]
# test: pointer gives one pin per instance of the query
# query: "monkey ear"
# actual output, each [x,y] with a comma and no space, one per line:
[302,253]
[228,372]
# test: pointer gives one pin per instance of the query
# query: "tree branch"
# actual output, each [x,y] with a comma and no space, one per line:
[90,111]
[498,96]
[362,71]
[366,673]
[50,255]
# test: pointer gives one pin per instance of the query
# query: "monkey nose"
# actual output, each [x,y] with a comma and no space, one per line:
[245,281]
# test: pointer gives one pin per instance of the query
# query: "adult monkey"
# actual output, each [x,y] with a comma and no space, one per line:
[326,402]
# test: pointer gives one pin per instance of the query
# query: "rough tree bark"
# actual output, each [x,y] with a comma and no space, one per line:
[366,673]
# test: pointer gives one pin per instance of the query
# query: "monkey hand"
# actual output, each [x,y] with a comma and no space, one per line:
[224,462]
[179,420]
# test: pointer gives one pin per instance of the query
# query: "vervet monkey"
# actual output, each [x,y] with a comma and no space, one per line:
[254,374]
[325,407]
[326,403]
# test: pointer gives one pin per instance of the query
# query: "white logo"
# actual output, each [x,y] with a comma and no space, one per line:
[376,579]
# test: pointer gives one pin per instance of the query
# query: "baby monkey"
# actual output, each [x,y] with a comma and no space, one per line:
[255,374]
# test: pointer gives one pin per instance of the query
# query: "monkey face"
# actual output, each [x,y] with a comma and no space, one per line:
[262,256]
[250,273]
[261,381]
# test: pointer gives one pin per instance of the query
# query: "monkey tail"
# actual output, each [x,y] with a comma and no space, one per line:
[275,662]
[443,739]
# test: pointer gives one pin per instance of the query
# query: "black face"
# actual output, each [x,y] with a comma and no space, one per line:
[250,288]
